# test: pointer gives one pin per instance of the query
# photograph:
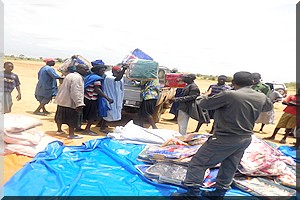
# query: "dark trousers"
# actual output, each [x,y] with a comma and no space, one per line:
[227,150]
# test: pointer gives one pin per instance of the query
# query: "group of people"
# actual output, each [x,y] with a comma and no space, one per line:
[184,97]
[235,112]
[84,95]
[88,95]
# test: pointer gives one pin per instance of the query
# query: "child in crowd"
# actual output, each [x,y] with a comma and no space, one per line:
[11,81]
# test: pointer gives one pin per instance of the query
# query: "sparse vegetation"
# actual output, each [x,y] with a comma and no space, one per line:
[291,86]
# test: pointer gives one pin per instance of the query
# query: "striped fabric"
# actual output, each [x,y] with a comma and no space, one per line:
[90,91]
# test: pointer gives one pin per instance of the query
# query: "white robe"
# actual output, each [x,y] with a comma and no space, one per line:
[114,90]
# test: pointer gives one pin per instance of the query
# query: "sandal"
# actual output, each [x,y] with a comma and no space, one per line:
[92,133]
[59,132]
[39,113]
[74,137]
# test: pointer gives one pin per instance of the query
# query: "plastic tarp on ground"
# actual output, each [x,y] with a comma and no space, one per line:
[101,167]
[289,151]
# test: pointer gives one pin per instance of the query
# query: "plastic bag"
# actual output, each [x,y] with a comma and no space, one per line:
[140,69]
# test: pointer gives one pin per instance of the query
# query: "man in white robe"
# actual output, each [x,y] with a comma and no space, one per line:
[114,89]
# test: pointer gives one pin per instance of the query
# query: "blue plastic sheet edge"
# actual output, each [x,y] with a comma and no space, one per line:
[101,167]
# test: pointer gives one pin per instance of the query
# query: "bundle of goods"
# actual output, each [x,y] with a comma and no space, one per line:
[21,136]
[188,140]
[140,69]
[132,133]
[137,53]
[288,179]
[194,138]
[262,187]
[173,173]
[172,153]
[70,63]
[174,80]
[179,149]
[167,173]
[260,159]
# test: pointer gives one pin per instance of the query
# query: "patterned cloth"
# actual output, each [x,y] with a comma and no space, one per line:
[90,93]
[149,89]
[215,88]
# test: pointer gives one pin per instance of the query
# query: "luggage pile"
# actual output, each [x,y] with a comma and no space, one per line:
[70,63]
[262,166]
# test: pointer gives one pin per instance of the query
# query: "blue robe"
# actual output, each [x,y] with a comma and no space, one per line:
[47,85]
[102,102]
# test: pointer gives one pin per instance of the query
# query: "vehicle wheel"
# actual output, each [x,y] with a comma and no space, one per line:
[157,113]
[281,91]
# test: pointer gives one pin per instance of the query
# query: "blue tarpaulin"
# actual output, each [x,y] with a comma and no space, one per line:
[289,151]
[101,167]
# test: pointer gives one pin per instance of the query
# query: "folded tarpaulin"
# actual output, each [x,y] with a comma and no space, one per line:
[101,167]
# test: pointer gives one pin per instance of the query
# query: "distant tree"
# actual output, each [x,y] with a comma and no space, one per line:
[59,59]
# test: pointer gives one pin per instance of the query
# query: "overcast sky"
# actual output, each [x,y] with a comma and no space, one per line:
[200,36]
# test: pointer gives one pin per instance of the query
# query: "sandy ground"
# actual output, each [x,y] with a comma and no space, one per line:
[27,71]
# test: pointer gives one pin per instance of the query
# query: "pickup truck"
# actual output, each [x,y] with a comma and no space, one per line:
[132,95]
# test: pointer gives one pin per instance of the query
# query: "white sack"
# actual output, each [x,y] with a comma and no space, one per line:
[135,134]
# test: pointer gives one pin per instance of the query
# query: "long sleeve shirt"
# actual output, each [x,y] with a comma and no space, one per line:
[236,110]
[188,95]
[71,91]
[47,85]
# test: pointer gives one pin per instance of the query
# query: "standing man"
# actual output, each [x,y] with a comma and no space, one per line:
[212,90]
[114,89]
[149,92]
[70,100]
[235,114]
[263,88]
[258,85]
[11,81]
[188,95]
[46,87]
[93,97]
